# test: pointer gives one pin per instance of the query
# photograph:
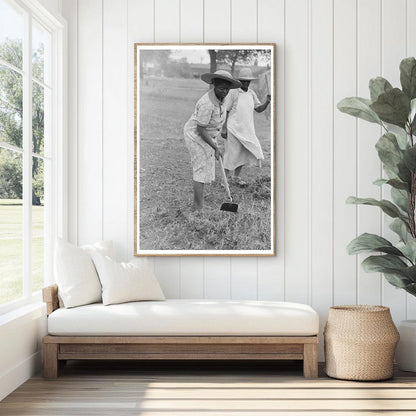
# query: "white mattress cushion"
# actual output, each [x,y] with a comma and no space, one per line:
[187,317]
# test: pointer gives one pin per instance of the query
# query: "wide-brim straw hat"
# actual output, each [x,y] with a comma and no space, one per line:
[220,74]
[245,74]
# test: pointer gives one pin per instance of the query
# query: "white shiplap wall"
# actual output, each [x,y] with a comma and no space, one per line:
[326,50]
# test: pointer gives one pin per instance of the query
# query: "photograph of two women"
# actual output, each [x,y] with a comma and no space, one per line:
[205,149]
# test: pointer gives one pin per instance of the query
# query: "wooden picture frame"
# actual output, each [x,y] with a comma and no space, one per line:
[167,88]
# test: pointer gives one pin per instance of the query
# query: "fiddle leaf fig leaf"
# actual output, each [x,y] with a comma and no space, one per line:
[412,109]
[414,126]
[378,86]
[359,107]
[410,272]
[404,173]
[390,173]
[388,207]
[380,182]
[408,77]
[412,116]
[366,243]
[402,139]
[411,289]
[400,228]
[389,151]
[398,184]
[410,158]
[392,107]
[397,280]
[381,263]
[396,271]
[408,249]
[395,183]
[400,198]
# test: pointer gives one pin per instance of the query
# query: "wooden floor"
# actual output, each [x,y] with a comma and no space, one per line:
[192,389]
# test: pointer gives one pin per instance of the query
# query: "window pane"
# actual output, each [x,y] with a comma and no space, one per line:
[38,118]
[38,229]
[11,34]
[41,45]
[11,226]
[11,107]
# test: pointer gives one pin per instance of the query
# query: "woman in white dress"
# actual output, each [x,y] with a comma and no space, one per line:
[242,145]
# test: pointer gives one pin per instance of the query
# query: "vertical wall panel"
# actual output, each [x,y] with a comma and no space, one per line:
[217,29]
[168,272]
[296,152]
[90,178]
[140,21]
[411,28]
[243,29]
[321,166]
[369,167]
[411,51]
[192,21]
[115,52]
[167,14]
[217,21]
[217,278]
[345,151]
[192,31]
[70,11]
[393,51]
[243,21]
[271,29]
[192,278]
[140,30]
[244,278]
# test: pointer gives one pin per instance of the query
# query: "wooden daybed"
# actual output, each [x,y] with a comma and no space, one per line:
[59,348]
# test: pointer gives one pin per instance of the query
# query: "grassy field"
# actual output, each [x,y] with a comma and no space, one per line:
[11,249]
[167,221]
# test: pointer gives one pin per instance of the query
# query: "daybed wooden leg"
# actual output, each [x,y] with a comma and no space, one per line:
[50,360]
[310,360]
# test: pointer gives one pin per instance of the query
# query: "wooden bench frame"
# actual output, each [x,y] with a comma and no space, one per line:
[58,349]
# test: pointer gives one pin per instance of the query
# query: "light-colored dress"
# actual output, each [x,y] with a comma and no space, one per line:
[242,146]
[209,113]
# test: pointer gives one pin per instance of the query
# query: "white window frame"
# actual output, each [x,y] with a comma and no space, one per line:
[58,211]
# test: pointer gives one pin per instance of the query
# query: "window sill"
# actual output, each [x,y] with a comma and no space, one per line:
[21,302]
[35,307]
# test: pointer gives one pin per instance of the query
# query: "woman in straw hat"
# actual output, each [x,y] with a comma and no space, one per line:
[203,128]
[242,145]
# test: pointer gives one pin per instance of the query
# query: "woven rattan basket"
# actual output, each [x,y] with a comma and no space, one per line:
[360,341]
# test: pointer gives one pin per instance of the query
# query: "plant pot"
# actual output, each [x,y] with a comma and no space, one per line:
[406,349]
[360,341]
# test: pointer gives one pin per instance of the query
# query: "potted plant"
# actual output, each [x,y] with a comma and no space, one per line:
[394,109]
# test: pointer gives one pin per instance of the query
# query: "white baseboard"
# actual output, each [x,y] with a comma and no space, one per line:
[10,380]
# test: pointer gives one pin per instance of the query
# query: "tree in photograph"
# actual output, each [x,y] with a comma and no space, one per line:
[232,57]
[11,116]
[213,60]
[154,60]
[178,69]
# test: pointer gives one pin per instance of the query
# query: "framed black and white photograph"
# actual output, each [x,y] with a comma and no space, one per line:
[205,151]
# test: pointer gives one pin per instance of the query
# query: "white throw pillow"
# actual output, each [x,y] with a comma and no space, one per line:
[126,282]
[75,273]
[103,247]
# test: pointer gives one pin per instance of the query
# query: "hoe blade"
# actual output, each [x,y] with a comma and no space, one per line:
[229,206]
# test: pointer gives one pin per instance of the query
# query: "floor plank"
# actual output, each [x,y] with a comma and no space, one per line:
[212,389]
